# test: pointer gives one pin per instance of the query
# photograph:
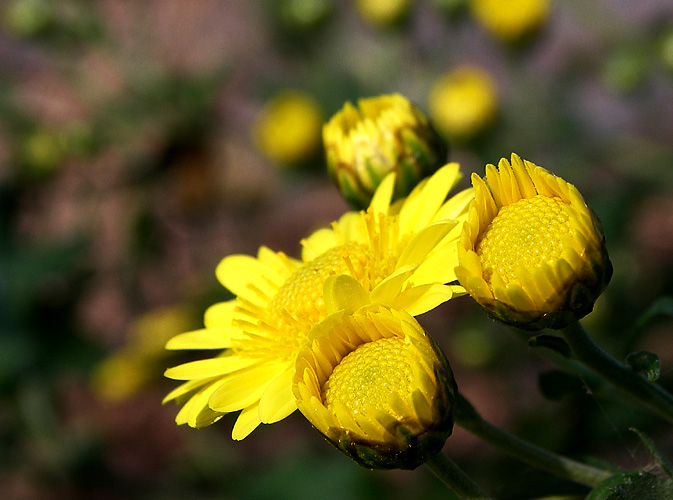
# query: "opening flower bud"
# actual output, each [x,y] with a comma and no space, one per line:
[383,134]
[377,387]
[532,253]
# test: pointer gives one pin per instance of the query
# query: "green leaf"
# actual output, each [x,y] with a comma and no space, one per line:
[633,485]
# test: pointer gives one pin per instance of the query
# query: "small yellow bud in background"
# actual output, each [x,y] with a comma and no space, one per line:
[463,103]
[377,387]
[532,253]
[287,129]
[383,13]
[511,20]
[383,134]
[134,366]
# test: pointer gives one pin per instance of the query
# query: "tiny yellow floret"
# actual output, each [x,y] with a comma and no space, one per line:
[527,233]
[369,376]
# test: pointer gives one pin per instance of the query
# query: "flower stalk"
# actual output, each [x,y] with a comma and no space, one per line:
[650,394]
[454,478]
[469,419]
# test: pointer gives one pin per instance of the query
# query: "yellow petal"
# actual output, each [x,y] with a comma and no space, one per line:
[424,242]
[384,192]
[244,387]
[457,205]
[183,389]
[345,293]
[247,421]
[278,402]
[351,227]
[318,243]
[206,368]
[439,266]
[220,314]
[195,407]
[422,204]
[421,299]
[205,338]
[238,272]
[386,291]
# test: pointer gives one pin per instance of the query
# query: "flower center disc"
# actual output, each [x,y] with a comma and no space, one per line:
[302,294]
[526,233]
[369,376]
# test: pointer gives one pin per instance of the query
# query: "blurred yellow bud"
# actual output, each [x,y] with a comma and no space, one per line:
[288,128]
[511,20]
[463,103]
[383,13]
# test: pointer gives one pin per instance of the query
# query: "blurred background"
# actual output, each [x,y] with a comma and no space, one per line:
[140,142]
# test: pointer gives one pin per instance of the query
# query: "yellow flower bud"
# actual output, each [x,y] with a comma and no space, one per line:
[532,253]
[377,387]
[383,134]
[287,129]
[511,20]
[463,103]
[383,14]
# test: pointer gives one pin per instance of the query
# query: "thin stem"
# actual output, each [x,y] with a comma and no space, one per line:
[453,477]
[467,417]
[591,355]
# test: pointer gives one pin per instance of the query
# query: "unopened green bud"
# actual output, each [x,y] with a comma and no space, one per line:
[383,134]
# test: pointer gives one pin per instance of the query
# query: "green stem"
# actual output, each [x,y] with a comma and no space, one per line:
[591,355]
[456,480]
[467,417]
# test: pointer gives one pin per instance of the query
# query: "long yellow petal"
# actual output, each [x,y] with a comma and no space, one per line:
[206,368]
[205,338]
[278,402]
[247,421]
[244,387]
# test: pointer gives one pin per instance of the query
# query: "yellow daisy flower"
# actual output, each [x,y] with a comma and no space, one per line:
[382,134]
[532,253]
[402,255]
[374,383]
